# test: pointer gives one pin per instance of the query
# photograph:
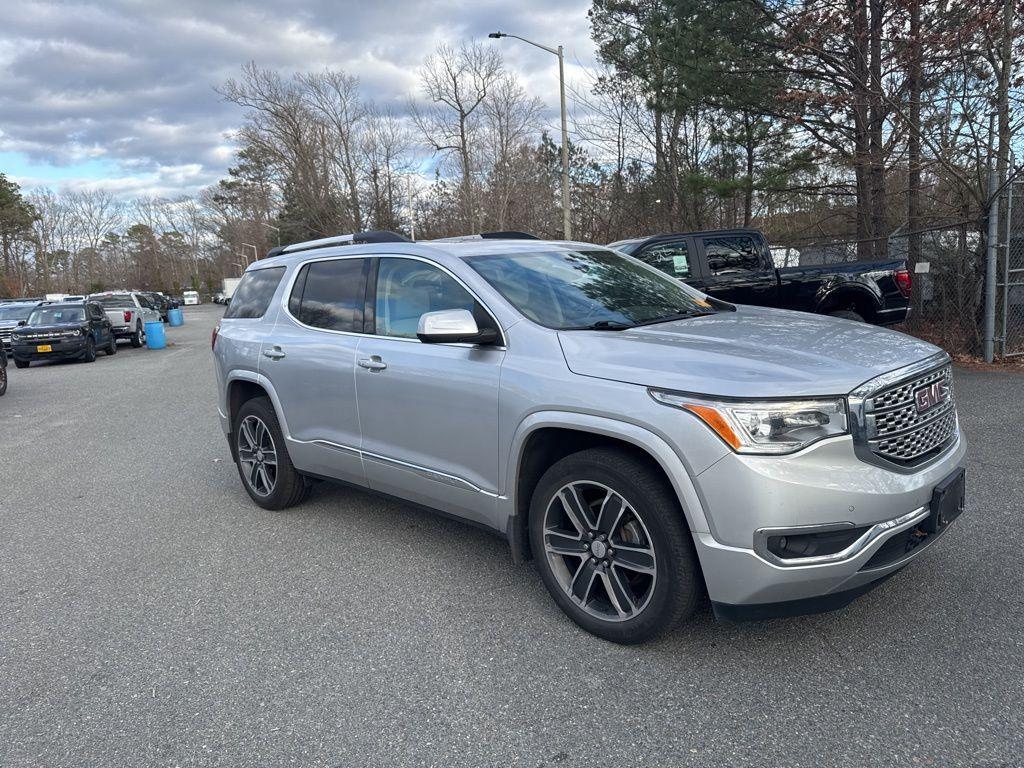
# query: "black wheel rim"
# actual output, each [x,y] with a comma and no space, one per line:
[600,551]
[257,456]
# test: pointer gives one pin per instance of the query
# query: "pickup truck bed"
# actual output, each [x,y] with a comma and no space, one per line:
[735,265]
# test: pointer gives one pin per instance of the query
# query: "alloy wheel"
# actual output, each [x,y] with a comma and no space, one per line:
[600,551]
[257,455]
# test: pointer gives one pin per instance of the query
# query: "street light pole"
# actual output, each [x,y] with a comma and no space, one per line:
[255,252]
[276,229]
[559,52]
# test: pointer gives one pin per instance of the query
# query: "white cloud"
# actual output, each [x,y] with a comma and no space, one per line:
[132,82]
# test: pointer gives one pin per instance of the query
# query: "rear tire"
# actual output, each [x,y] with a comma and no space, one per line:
[627,575]
[138,338]
[847,314]
[256,441]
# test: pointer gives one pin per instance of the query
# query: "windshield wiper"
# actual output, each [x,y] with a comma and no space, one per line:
[601,325]
[676,316]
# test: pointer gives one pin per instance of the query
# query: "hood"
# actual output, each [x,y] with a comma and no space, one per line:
[752,352]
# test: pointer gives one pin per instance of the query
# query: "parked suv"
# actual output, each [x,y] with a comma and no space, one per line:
[641,441]
[12,313]
[3,373]
[63,331]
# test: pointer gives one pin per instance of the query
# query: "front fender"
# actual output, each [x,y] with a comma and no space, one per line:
[636,435]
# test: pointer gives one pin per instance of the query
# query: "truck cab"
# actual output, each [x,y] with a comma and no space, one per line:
[736,265]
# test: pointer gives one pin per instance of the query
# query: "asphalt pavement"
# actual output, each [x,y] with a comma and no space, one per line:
[151,615]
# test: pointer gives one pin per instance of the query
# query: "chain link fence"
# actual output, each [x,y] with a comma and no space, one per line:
[947,280]
[1010,285]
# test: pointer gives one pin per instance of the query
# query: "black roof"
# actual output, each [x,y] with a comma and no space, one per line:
[641,241]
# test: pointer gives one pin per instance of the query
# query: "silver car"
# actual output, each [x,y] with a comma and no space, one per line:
[642,442]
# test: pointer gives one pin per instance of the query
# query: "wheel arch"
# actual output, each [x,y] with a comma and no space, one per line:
[243,386]
[544,438]
[850,296]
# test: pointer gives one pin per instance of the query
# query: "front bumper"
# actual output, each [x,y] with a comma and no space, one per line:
[64,349]
[824,485]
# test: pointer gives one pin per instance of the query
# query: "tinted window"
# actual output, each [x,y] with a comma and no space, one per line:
[254,292]
[671,258]
[57,315]
[330,294]
[732,254]
[16,312]
[583,289]
[407,288]
[114,302]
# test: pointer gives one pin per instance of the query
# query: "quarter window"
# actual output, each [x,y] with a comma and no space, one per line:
[671,258]
[254,292]
[407,288]
[330,294]
[728,255]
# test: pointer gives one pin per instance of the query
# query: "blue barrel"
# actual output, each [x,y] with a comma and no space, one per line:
[175,317]
[155,337]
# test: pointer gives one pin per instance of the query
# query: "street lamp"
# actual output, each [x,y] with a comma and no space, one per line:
[276,229]
[240,265]
[566,223]
[255,252]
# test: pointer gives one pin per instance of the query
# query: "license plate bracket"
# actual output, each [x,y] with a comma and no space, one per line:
[947,502]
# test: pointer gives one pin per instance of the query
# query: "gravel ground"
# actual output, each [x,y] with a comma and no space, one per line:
[151,615]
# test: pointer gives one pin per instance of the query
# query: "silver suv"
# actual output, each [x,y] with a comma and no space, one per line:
[640,440]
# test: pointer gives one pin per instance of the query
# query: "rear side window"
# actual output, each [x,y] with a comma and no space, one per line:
[254,292]
[728,255]
[331,294]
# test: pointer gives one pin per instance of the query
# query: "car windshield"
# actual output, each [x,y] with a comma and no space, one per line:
[115,301]
[593,289]
[56,315]
[15,312]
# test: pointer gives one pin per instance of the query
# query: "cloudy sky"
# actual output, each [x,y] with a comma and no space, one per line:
[119,93]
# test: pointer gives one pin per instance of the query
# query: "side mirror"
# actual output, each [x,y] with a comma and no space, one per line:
[452,326]
[22,323]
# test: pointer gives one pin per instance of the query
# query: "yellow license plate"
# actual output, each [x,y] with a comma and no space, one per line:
[44,348]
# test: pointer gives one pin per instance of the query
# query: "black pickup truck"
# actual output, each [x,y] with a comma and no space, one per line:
[736,265]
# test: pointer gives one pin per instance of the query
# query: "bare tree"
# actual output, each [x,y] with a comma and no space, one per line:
[457,82]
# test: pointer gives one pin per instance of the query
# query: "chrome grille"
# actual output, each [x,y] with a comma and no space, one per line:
[895,429]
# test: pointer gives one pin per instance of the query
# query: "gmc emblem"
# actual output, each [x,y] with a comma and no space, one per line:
[928,397]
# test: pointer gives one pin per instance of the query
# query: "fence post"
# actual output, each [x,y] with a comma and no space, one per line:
[989,339]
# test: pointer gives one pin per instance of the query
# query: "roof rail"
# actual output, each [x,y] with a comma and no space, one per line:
[375,236]
[510,234]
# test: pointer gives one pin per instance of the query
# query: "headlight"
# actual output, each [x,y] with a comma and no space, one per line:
[765,426]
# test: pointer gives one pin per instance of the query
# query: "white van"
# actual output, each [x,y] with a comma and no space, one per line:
[191,298]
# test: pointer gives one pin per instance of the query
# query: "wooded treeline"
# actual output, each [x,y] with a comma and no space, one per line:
[816,121]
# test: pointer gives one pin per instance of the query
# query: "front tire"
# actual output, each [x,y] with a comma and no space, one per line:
[90,350]
[264,466]
[3,377]
[21,363]
[112,345]
[612,545]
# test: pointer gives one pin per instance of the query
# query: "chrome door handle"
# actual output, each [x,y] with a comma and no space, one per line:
[274,354]
[373,363]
